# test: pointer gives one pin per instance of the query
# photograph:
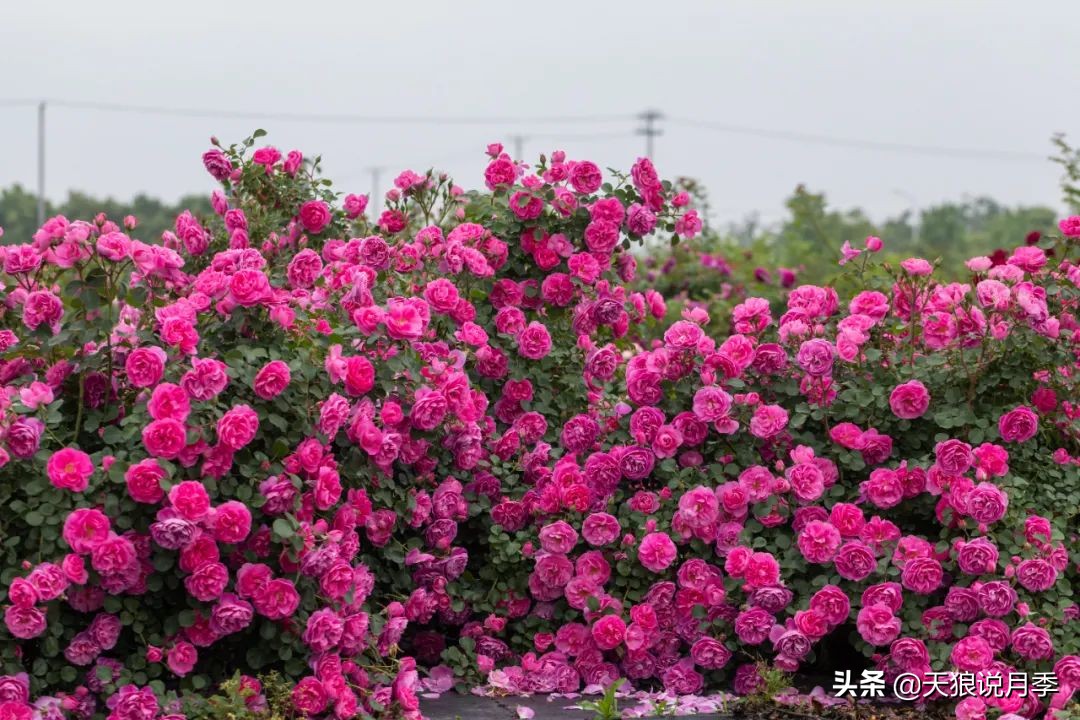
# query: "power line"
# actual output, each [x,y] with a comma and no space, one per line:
[578,136]
[650,118]
[813,138]
[41,164]
[344,118]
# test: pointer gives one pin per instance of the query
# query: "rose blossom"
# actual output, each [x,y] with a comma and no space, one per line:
[909,400]
[190,499]
[600,529]
[237,427]
[656,552]
[1018,425]
[608,632]
[877,625]
[144,366]
[315,216]
[70,469]
[272,379]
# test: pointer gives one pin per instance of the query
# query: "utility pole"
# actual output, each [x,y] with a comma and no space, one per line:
[41,164]
[913,211]
[519,146]
[375,173]
[650,118]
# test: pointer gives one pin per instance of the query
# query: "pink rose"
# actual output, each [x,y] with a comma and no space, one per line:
[762,570]
[855,561]
[846,435]
[359,375]
[114,555]
[249,287]
[656,552]
[237,427]
[818,542]
[917,266]
[1032,643]
[986,503]
[883,488]
[608,632]
[534,342]
[252,578]
[768,421]
[954,457]
[277,600]
[85,529]
[831,603]
[600,529]
[500,172]
[315,216]
[232,522]
[24,437]
[712,403]
[190,499]
[406,318]
[709,653]
[972,654]
[105,630]
[442,295]
[169,401]
[429,409]
[181,658]
[1018,425]
[816,357]
[145,366]
[752,626]
[558,537]
[681,678]
[324,630]
[70,469]
[206,379]
[640,220]
[49,581]
[41,307]
[309,697]
[354,205]
[848,519]
[143,481]
[1036,575]
[909,400]
[165,438]
[22,593]
[922,575]
[585,177]
[272,379]
[997,598]
[977,557]
[304,268]
[207,582]
[24,623]
[877,625]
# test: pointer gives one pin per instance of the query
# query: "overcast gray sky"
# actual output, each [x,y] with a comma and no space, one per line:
[998,75]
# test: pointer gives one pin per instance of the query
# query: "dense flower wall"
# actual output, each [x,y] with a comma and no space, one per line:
[381,458]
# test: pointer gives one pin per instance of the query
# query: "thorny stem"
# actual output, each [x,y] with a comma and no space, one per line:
[79,410]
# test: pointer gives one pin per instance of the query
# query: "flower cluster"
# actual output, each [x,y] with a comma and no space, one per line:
[285,437]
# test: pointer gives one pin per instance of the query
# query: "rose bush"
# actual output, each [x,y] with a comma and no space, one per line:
[286,438]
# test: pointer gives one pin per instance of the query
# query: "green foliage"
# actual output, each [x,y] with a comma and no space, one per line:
[18,211]
[607,707]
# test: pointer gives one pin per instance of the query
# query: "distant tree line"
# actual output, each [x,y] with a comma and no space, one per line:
[18,212]
[808,240]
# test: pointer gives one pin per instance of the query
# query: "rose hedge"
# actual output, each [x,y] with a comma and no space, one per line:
[286,439]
